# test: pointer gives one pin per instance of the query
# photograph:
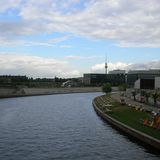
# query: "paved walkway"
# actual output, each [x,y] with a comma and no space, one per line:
[132,102]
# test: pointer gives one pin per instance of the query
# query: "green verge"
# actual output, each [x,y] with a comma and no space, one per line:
[127,115]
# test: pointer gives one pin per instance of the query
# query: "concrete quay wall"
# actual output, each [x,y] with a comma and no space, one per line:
[155,143]
[19,92]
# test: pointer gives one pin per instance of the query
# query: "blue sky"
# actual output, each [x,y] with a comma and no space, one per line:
[67,38]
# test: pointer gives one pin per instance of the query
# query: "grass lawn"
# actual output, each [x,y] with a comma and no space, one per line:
[127,115]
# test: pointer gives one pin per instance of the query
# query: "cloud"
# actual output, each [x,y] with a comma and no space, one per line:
[59,39]
[7,4]
[20,42]
[72,57]
[17,42]
[148,65]
[131,23]
[99,68]
[35,66]
[65,46]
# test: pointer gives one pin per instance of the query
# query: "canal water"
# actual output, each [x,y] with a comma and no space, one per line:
[61,127]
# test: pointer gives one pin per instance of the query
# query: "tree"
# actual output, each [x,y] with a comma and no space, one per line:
[134,94]
[122,87]
[147,95]
[155,96]
[107,88]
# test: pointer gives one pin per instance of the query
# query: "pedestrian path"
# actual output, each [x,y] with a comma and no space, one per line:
[117,97]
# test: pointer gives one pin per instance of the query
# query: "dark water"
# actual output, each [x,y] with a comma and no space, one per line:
[61,127]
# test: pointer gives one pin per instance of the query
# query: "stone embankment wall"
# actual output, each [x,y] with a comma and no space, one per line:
[130,131]
[17,92]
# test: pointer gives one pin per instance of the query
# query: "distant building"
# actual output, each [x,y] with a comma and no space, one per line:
[157,82]
[115,79]
[134,75]
[118,71]
[146,78]
[144,84]
[137,84]
[94,79]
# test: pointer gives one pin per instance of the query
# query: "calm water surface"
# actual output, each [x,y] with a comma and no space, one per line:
[61,127]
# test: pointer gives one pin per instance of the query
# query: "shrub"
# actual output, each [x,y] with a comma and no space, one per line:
[107,88]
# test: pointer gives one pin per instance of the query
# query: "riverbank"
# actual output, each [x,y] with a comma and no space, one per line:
[124,120]
[21,92]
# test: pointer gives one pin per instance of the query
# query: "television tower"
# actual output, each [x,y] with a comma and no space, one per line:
[106,65]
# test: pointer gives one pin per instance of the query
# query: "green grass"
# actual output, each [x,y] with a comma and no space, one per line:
[127,115]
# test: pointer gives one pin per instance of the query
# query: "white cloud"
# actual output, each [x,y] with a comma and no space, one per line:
[131,23]
[7,4]
[72,57]
[12,42]
[65,46]
[148,65]
[35,66]
[49,43]
[99,68]
[59,39]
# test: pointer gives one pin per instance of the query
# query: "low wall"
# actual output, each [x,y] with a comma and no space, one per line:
[132,132]
[18,92]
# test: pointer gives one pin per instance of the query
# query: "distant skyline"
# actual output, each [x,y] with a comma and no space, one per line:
[66,38]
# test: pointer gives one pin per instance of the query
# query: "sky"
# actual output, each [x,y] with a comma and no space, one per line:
[66,38]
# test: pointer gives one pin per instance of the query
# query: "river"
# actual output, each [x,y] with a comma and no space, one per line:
[61,127]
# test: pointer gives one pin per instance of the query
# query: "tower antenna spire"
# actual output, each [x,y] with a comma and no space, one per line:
[106,65]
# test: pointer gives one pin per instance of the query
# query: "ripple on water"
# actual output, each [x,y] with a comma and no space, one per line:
[61,127]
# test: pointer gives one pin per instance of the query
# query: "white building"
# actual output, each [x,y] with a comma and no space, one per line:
[157,82]
[137,84]
[147,83]
[134,75]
